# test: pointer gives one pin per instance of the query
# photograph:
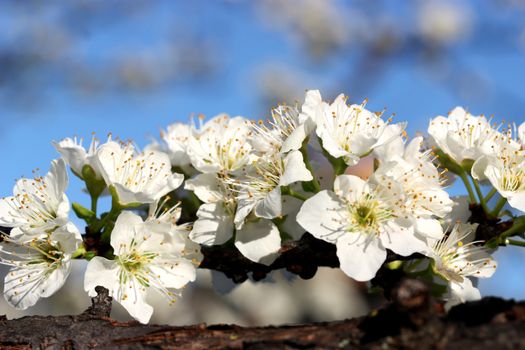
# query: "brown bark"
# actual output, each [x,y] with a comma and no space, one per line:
[412,321]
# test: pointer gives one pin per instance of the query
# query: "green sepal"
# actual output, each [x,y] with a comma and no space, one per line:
[84,213]
[395,265]
[338,164]
[117,205]
[89,255]
[492,243]
[94,184]
[448,163]
[467,164]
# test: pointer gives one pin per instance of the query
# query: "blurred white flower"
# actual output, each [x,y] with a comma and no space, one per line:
[146,256]
[362,221]
[38,205]
[456,257]
[444,22]
[136,177]
[40,266]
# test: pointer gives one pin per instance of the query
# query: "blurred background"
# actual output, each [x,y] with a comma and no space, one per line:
[131,68]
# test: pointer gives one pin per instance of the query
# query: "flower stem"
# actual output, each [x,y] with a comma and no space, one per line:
[518,227]
[79,252]
[491,194]
[94,202]
[480,196]
[463,177]
[501,203]
[288,191]
[515,242]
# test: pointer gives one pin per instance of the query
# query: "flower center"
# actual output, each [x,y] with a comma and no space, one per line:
[368,215]
[364,216]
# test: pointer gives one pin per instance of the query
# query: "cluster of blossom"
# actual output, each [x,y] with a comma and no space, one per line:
[256,184]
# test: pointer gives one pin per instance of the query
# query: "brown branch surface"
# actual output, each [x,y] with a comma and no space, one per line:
[413,321]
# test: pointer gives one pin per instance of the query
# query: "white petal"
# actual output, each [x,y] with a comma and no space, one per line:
[206,187]
[403,242]
[58,176]
[321,215]
[244,208]
[271,206]
[311,106]
[101,272]
[10,217]
[462,292]
[331,146]
[213,226]
[55,280]
[173,273]
[291,207]
[350,187]
[295,140]
[460,210]
[360,257]
[428,227]
[22,287]
[68,237]
[479,167]
[73,153]
[517,200]
[294,169]
[259,241]
[132,297]
[124,231]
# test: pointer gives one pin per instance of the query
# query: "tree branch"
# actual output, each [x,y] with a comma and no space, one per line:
[413,321]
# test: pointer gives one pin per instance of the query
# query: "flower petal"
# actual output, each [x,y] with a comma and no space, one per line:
[322,216]
[294,169]
[213,226]
[359,256]
[101,272]
[259,241]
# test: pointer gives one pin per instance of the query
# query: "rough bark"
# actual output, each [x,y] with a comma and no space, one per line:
[412,321]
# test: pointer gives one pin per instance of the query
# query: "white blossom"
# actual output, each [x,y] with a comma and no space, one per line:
[38,205]
[148,255]
[176,138]
[420,183]
[463,136]
[136,177]
[215,223]
[362,221]
[505,170]
[39,266]
[456,257]
[287,129]
[221,145]
[76,156]
[261,191]
[352,132]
